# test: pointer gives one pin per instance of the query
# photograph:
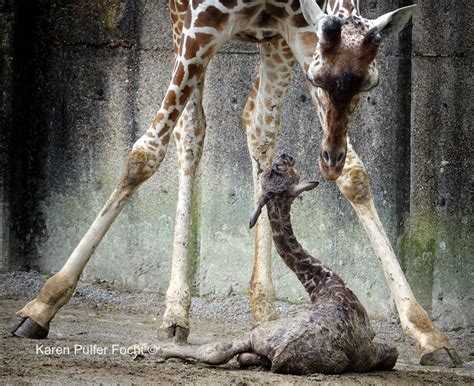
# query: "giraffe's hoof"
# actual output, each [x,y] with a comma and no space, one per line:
[177,333]
[441,357]
[28,328]
[250,359]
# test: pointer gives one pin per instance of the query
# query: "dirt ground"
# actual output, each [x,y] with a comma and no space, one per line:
[106,321]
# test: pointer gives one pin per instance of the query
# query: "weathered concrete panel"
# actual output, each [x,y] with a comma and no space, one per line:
[438,241]
[444,28]
[439,244]
[6,80]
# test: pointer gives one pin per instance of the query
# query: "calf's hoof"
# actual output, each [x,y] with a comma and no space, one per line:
[441,357]
[28,328]
[249,359]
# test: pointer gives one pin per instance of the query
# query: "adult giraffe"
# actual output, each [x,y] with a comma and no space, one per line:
[336,49]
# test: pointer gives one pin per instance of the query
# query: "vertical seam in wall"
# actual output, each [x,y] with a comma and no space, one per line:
[25,139]
[404,141]
[133,62]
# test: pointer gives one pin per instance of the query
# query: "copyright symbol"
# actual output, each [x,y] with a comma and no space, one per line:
[153,349]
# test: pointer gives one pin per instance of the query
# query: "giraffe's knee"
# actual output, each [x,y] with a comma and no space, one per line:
[189,149]
[354,184]
[261,148]
[140,166]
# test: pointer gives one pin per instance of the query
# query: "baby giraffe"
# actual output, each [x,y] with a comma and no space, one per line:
[334,337]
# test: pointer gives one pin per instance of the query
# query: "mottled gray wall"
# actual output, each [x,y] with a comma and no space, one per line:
[94,77]
[438,242]
[6,80]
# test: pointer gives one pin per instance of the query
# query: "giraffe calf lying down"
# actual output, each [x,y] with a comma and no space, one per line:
[334,337]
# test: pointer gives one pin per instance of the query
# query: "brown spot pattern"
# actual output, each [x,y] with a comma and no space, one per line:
[299,21]
[185,94]
[179,75]
[195,70]
[212,17]
[229,4]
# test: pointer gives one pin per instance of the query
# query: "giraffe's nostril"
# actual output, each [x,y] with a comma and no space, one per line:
[325,156]
[341,158]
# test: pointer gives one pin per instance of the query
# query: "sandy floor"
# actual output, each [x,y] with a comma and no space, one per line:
[112,320]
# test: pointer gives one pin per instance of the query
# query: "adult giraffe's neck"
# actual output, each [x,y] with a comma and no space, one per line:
[315,277]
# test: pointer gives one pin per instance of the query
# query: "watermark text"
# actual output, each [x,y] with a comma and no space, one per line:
[94,349]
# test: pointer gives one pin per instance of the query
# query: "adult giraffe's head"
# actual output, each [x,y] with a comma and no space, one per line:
[343,66]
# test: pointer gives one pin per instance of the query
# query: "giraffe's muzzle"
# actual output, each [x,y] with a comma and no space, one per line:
[331,162]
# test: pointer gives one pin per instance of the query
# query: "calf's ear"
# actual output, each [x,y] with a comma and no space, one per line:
[262,201]
[303,187]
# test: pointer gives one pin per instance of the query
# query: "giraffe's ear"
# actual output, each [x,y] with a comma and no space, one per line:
[262,201]
[303,187]
[255,215]
[311,12]
[394,22]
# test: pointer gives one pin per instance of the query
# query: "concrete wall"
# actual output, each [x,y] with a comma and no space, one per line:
[6,80]
[94,73]
[438,243]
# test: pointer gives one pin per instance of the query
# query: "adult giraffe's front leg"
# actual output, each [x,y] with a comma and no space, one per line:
[433,345]
[189,138]
[147,154]
[261,118]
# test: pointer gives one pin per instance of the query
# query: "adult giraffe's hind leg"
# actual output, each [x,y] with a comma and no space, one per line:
[189,139]
[261,118]
[433,345]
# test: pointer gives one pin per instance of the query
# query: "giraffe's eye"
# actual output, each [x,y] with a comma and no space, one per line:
[316,83]
[377,38]
[373,37]
[315,80]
